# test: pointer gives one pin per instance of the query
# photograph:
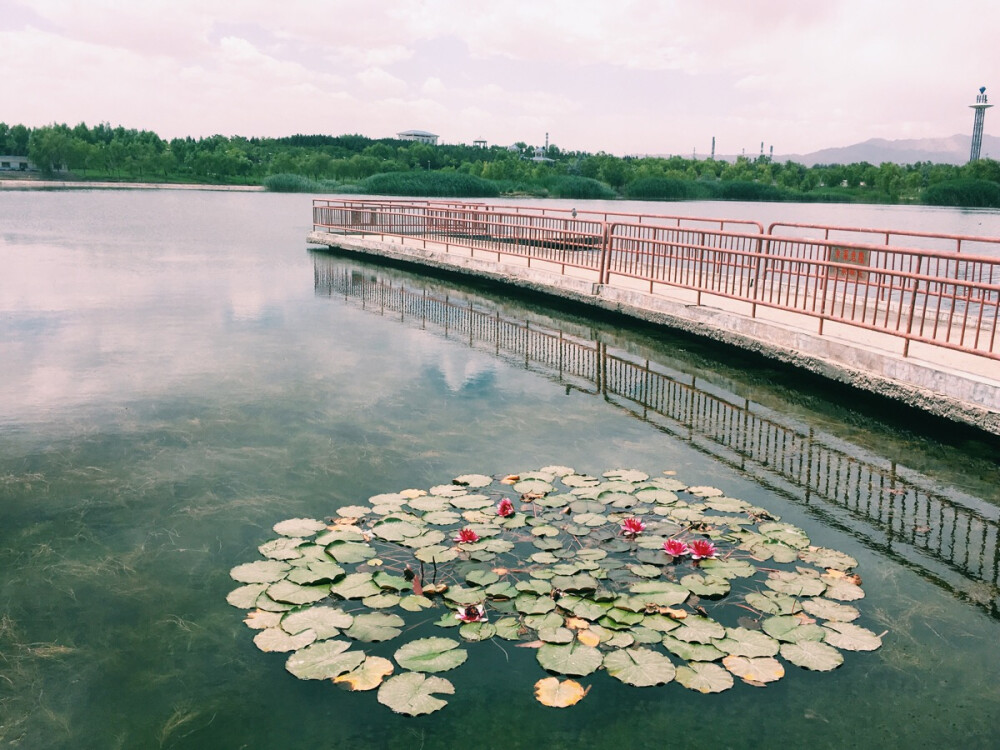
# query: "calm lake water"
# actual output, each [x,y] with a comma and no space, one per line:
[179,372]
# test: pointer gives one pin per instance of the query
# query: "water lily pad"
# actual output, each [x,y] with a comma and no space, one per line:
[258,619]
[828,610]
[641,667]
[529,604]
[645,571]
[353,511]
[555,635]
[693,652]
[276,639]
[705,585]
[436,554]
[842,590]
[509,628]
[792,629]
[413,694]
[814,655]
[299,527]
[785,533]
[704,677]
[293,593]
[755,670]
[375,626]
[431,655]
[245,597]
[773,603]
[381,601]
[574,659]
[705,491]
[317,572]
[699,630]
[284,548]
[534,487]
[851,637]
[556,693]
[660,593]
[447,490]
[473,480]
[325,622]
[828,558]
[368,675]
[795,584]
[350,552]
[323,661]
[743,642]
[441,518]
[582,582]
[477,631]
[355,586]
[415,603]
[395,530]
[262,571]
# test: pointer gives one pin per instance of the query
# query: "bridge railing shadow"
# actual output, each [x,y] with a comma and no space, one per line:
[946,536]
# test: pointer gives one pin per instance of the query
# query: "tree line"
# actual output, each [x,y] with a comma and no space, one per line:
[346,163]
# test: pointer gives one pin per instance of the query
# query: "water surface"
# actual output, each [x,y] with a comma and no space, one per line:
[178,372]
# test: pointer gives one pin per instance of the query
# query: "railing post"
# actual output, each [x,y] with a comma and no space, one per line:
[605,273]
[912,311]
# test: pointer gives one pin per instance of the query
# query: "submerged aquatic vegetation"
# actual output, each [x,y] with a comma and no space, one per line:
[633,575]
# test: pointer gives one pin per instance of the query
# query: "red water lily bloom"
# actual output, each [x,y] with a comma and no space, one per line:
[467,535]
[505,508]
[675,548]
[702,549]
[633,526]
[471,613]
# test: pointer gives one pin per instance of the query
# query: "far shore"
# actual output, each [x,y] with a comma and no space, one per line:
[85,185]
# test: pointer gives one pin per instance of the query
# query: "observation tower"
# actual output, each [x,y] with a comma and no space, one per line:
[977,128]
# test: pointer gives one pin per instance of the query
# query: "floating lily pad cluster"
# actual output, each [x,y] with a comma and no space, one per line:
[648,579]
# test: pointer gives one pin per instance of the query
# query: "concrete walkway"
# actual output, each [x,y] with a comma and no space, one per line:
[951,384]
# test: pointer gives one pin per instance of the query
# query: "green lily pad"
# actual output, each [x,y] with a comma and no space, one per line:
[317,572]
[795,584]
[276,639]
[704,677]
[743,642]
[282,549]
[699,629]
[791,629]
[431,655]
[413,694]
[323,661]
[705,585]
[355,586]
[641,667]
[572,659]
[842,590]
[293,593]
[414,603]
[755,670]
[436,554]
[693,652]
[262,571]
[534,487]
[299,527]
[395,530]
[828,610]
[814,655]
[245,597]
[325,622]
[849,637]
[773,603]
[350,552]
[473,480]
[375,626]
[509,628]
[828,558]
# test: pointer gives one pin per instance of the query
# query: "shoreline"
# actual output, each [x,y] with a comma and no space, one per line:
[85,185]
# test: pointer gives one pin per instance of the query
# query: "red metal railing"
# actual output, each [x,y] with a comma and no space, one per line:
[940,297]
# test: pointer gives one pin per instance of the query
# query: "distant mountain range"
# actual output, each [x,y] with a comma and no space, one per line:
[953,150]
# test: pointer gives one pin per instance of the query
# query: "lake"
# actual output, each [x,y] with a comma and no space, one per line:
[180,372]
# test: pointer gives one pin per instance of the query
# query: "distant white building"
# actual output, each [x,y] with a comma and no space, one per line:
[418,135]
[15,164]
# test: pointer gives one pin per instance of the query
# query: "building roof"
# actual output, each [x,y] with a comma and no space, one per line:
[417,132]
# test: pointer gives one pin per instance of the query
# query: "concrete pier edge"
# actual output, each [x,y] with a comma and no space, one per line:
[934,388]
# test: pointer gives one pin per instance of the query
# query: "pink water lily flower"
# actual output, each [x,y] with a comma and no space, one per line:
[471,613]
[467,535]
[702,549]
[633,527]
[675,548]
[505,508]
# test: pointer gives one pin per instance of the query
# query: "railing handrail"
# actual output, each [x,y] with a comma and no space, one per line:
[950,299]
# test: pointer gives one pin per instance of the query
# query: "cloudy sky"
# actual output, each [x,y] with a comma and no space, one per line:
[622,76]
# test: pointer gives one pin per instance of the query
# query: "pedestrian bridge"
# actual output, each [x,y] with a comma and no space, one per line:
[909,315]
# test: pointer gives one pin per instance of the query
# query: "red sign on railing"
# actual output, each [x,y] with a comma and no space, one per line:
[856,256]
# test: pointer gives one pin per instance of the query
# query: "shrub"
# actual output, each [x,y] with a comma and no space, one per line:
[569,186]
[290,183]
[966,193]
[666,189]
[430,184]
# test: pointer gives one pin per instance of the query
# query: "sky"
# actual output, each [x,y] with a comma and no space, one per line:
[620,76]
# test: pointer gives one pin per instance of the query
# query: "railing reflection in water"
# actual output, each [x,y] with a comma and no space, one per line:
[952,540]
